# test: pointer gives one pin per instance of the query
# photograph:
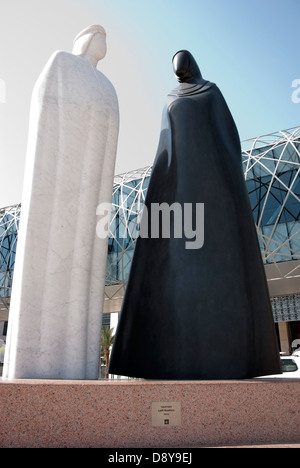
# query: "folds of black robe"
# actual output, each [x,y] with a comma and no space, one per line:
[205,313]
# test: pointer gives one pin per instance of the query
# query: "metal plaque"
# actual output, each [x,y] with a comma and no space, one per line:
[166,414]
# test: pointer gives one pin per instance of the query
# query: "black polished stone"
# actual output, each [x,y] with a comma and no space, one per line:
[203,313]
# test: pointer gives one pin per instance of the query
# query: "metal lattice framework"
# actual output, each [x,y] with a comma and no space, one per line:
[128,200]
[272,173]
[9,224]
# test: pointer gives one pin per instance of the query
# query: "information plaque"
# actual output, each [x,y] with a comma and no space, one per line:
[166,414]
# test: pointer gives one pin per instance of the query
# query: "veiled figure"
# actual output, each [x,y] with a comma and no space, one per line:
[58,289]
[201,312]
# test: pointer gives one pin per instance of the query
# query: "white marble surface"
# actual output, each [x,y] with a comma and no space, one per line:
[58,289]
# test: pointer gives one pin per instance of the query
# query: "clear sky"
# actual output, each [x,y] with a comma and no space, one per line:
[249,48]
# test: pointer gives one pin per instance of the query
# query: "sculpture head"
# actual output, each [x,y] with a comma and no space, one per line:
[91,42]
[186,68]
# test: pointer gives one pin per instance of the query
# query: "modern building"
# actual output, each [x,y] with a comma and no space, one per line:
[272,173]
[271,167]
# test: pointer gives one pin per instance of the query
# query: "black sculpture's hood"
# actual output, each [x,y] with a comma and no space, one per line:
[188,74]
[186,68]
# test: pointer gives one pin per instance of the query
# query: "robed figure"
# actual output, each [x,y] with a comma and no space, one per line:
[197,310]
[58,287]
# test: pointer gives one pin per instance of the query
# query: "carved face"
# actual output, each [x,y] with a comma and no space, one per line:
[97,46]
[93,43]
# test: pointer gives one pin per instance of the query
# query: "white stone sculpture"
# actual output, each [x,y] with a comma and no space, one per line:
[58,288]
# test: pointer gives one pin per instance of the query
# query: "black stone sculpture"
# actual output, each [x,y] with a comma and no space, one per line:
[194,311]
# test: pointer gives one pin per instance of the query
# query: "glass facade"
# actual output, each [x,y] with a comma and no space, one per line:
[286,308]
[271,168]
[128,199]
[9,224]
[272,173]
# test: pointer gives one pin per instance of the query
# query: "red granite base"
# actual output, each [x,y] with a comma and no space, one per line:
[119,413]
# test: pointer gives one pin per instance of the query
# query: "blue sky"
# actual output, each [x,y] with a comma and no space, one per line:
[249,48]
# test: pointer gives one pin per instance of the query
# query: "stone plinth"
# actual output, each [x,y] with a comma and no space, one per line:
[39,413]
